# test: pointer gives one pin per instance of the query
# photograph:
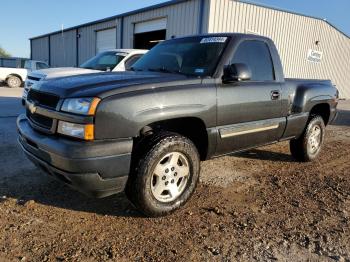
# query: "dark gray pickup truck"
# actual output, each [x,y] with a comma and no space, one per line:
[189,99]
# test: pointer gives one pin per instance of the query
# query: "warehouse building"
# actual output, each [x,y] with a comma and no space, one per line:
[310,47]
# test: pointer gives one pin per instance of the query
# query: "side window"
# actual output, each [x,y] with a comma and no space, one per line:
[257,56]
[41,66]
[131,61]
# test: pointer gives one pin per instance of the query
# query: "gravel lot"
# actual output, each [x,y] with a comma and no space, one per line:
[254,206]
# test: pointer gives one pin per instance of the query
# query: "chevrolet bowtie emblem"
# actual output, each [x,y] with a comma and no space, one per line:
[32,108]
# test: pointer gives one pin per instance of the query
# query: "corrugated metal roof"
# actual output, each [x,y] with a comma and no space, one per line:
[173,2]
[292,12]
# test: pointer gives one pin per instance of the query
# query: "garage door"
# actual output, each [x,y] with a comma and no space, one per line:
[151,25]
[106,39]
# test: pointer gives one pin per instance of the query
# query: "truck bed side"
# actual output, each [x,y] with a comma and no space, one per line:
[303,98]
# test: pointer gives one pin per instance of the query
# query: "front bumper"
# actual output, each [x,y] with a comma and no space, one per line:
[98,168]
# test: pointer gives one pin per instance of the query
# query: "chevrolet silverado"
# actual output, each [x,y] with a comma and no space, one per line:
[187,100]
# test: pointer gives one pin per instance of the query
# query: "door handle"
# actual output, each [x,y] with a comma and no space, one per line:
[275,95]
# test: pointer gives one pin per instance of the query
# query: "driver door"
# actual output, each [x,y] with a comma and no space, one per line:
[250,112]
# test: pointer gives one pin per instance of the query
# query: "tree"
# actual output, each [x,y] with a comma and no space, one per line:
[3,53]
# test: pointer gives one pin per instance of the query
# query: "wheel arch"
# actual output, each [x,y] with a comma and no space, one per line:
[323,110]
[16,75]
[191,127]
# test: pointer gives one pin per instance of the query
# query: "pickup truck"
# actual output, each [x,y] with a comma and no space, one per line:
[115,60]
[187,100]
[16,74]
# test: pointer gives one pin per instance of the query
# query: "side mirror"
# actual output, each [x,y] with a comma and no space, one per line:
[236,72]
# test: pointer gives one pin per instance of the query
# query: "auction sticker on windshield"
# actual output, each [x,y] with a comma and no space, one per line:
[199,71]
[213,40]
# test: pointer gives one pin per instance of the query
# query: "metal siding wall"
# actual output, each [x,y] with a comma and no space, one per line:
[119,32]
[40,49]
[293,35]
[63,49]
[182,19]
[87,40]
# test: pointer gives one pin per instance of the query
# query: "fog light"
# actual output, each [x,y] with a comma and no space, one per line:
[76,130]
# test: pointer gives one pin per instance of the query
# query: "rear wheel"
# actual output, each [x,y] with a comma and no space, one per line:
[165,175]
[14,81]
[308,146]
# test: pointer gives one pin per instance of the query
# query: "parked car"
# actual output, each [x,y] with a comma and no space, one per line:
[187,100]
[14,71]
[112,60]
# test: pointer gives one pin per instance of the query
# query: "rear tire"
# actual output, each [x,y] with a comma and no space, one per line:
[308,146]
[164,174]
[14,81]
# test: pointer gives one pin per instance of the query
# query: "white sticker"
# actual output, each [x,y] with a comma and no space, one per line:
[199,71]
[219,39]
[314,56]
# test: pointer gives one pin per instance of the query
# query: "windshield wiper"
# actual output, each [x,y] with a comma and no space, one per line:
[165,70]
[134,69]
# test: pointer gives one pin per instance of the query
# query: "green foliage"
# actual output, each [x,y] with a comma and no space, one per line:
[3,53]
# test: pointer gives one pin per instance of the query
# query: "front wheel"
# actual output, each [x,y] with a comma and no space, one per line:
[14,82]
[308,146]
[165,175]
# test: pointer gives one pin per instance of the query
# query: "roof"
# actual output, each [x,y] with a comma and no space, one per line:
[148,8]
[129,51]
[294,13]
[173,2]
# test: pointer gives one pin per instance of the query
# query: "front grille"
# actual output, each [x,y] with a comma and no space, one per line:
[43,99]
[39,120]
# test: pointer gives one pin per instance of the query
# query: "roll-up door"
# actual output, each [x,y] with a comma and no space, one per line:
[149,33]
[106,39]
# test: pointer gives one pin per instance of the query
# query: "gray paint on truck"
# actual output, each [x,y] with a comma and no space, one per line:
[236,116]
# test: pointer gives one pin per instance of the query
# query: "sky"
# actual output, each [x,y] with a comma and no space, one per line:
[28,18]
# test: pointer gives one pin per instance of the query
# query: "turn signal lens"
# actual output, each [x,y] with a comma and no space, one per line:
[85,132]
[93,106]
[89,132]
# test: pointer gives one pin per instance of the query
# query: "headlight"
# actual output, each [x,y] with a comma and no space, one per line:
[76,130]
[81,106]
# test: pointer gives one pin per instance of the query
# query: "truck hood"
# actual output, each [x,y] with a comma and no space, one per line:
[61,72]
[106,84]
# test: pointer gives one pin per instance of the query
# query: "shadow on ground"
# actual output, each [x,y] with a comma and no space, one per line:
[260,154]
[343,118]
[46,190]
[10,107]
[21,180]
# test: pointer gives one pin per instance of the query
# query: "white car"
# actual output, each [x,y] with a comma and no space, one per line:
[115,60]
[14,71]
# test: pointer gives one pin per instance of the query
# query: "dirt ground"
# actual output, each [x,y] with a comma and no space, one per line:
[255,206]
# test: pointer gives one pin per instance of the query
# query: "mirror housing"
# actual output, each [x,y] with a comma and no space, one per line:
[236,73]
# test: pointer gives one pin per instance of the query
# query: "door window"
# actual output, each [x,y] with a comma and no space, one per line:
[41,66]
[256,55]
[132,60]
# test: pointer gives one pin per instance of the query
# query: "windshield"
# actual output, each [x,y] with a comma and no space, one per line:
[105,61]
[196,56]
[28,64]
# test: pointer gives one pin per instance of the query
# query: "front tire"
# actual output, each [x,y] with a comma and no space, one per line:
[14,82]
[165,175]
[308,146]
